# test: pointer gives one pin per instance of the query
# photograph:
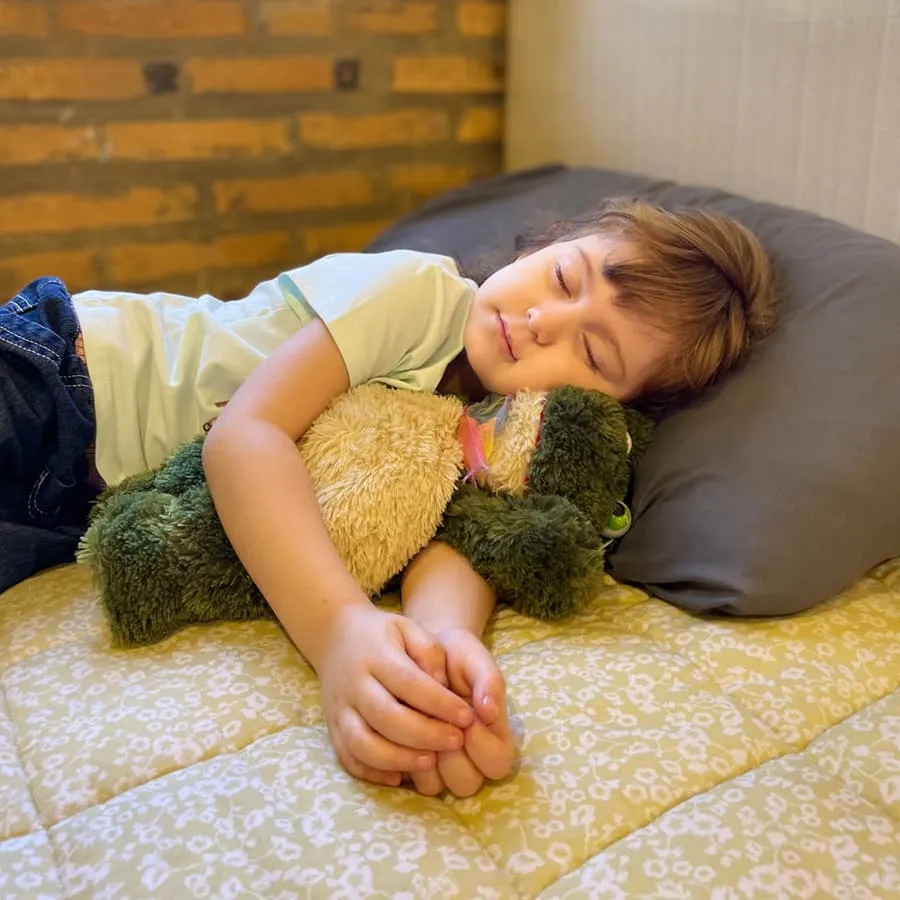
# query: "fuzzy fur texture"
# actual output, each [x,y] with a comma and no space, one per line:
[544,552]
[161,558]
[514,446]
[384,467]
[384,464]
[541,554]
[583,453]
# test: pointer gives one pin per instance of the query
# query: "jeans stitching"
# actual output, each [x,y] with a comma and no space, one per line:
[49,355]
[33,508]
[18,307]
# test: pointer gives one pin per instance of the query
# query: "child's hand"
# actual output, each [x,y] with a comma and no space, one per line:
[489,751]
[386,712]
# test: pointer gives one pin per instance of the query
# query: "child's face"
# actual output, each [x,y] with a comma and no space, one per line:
[550,319]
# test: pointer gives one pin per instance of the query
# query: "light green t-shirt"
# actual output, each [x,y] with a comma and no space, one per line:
[396,317]
[162,365]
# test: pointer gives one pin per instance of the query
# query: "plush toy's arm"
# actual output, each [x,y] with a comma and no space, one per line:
[539,553]
[160,556]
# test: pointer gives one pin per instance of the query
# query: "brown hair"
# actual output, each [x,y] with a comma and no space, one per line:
[703,278]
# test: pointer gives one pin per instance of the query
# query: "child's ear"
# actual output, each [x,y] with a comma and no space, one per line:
[641,430]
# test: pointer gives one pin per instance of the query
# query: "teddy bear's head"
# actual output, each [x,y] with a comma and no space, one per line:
[569,442]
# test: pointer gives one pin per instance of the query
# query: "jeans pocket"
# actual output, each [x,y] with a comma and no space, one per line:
[47,497]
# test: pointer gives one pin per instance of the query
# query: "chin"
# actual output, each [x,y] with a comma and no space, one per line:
[488,384]
[494,385]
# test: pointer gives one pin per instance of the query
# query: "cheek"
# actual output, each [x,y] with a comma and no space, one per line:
[557,366]
[501,288]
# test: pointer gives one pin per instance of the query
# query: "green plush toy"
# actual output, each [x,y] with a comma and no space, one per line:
[530,488]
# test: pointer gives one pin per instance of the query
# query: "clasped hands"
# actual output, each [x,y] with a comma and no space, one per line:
[400,702]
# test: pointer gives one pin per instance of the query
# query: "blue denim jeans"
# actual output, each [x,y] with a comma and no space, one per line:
[46,427]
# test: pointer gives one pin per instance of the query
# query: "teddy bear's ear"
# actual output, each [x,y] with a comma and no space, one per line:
[583,453]
[641,430]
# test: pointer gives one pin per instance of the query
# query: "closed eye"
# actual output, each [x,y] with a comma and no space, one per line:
[557,269]
[591,359]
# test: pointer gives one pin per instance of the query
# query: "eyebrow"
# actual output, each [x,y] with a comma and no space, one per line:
[606,335]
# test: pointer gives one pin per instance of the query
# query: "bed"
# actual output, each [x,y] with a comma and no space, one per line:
[662,754]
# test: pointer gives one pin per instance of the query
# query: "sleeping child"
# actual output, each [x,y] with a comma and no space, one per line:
[646,305]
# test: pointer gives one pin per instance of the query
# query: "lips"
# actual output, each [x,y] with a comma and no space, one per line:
[505,339]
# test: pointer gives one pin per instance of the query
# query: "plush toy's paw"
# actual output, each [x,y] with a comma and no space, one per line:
[135,484]
[136,576]
[163,561]
[539,553]
[183,469]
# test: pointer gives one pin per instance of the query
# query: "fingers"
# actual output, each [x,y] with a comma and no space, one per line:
[491,750]
[489,700]
[405,726]
[463,772]
[407,682]
[359,769]
[367,773]
[370,749]
[475,675]
[459,773]
[428,783]
[425,652]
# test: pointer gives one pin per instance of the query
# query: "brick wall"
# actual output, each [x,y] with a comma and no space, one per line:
[199,145]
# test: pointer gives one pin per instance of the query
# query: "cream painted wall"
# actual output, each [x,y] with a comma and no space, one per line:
[795,101]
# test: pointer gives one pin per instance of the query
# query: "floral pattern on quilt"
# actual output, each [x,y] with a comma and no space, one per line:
[661,754]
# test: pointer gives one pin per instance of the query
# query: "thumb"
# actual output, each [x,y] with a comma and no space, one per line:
[475,675]
[424,650]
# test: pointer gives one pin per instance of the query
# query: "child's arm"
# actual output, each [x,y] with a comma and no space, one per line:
[443,593]
[370,663]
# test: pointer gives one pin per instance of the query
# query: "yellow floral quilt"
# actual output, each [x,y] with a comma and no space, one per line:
[661,755]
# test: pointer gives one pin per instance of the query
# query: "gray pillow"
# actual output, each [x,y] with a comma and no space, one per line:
[781,485]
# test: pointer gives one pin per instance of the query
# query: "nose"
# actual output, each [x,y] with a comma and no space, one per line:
[547,323]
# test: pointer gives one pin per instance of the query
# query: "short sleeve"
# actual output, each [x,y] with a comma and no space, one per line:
[396,317]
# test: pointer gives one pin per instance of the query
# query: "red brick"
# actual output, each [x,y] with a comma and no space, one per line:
[446,75]
[22,18]
[317,190]
[266,75]
[71,79]
[352,236]
[408,127]
[147,262]
[153,18]
[476,18]
[307,17]
[51,213]
[215,138]
[78,268]
[480,124]
[394,17]
[31,144]
[430,179]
